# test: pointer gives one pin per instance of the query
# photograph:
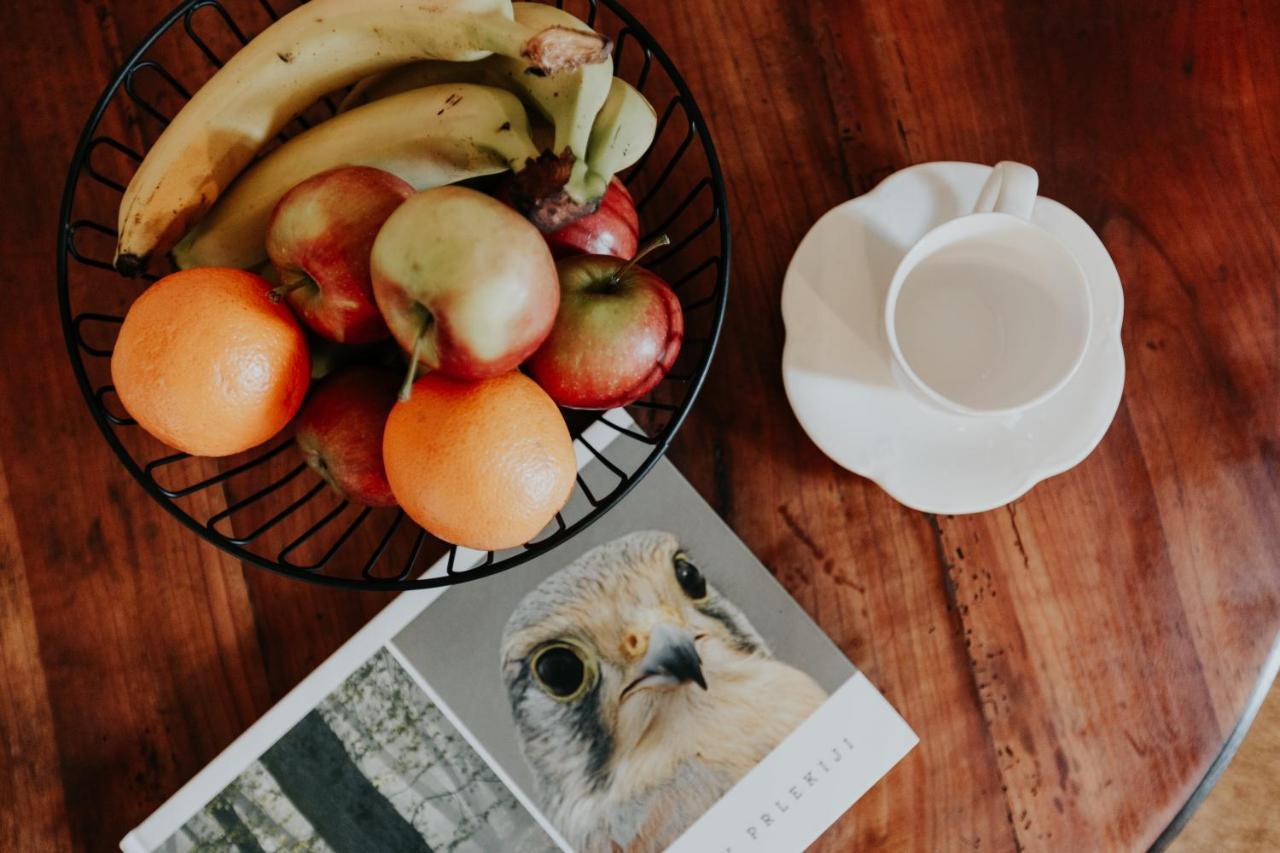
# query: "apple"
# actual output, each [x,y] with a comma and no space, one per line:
[339,431]
[613,229]
[319,239]
[467,285]
[617,334]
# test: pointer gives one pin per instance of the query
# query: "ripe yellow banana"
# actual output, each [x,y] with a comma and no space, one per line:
[569,101]
[429,137]
[622,132]
[319,47]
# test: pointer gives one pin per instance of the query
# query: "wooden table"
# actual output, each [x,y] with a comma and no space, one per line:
[1073,662]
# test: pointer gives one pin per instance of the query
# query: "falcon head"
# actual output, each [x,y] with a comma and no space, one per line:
[628,671]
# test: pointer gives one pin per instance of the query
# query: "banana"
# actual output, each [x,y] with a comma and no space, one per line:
[429,137]
[318,48]
[622,132]
[569,101]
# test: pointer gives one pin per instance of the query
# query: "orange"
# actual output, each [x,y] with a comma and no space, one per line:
[208,364]
[485,464]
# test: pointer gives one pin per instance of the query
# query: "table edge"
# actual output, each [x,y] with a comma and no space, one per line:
[1261,687]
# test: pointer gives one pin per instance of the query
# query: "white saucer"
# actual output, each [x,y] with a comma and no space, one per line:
[839,376]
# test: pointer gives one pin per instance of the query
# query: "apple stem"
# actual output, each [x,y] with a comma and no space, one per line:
[407,389]
[654,244]
[279,292]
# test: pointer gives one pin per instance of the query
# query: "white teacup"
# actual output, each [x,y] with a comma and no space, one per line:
[989,314]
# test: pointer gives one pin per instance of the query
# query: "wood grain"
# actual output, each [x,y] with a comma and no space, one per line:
[1071,662]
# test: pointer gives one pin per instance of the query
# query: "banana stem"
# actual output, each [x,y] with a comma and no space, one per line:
[558,49]
[406,390]
[653,245]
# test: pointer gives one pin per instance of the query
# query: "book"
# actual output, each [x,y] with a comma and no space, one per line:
[646,685]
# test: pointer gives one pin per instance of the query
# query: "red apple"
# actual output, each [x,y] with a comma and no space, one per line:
[319,240]
[467,285]
[339,431]
[617,334]
[614,229]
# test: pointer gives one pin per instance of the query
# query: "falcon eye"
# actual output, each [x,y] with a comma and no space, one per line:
[690,579]
[561,671]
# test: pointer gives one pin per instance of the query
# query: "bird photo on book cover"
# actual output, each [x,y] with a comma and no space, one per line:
[640,694]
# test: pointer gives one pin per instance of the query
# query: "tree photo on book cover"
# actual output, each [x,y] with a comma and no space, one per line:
[374,767]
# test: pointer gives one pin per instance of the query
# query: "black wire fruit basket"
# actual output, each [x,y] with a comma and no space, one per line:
[265,506]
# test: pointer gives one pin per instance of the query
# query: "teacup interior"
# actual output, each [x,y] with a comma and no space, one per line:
[996,320]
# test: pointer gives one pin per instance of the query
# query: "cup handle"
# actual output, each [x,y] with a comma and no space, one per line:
[1011,188]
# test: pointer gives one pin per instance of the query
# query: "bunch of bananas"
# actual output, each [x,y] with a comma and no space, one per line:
[441,93]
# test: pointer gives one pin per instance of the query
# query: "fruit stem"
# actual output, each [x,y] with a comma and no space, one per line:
[654,244]
[407,388]
[279,292]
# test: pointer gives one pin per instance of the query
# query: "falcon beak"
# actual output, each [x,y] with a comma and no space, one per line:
[672,658]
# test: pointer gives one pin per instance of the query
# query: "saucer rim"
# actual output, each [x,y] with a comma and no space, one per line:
[1108,338]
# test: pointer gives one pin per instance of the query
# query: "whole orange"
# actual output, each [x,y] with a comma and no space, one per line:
[208,363]
[485,464]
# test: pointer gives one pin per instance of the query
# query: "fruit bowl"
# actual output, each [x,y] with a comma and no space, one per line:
[266,506]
